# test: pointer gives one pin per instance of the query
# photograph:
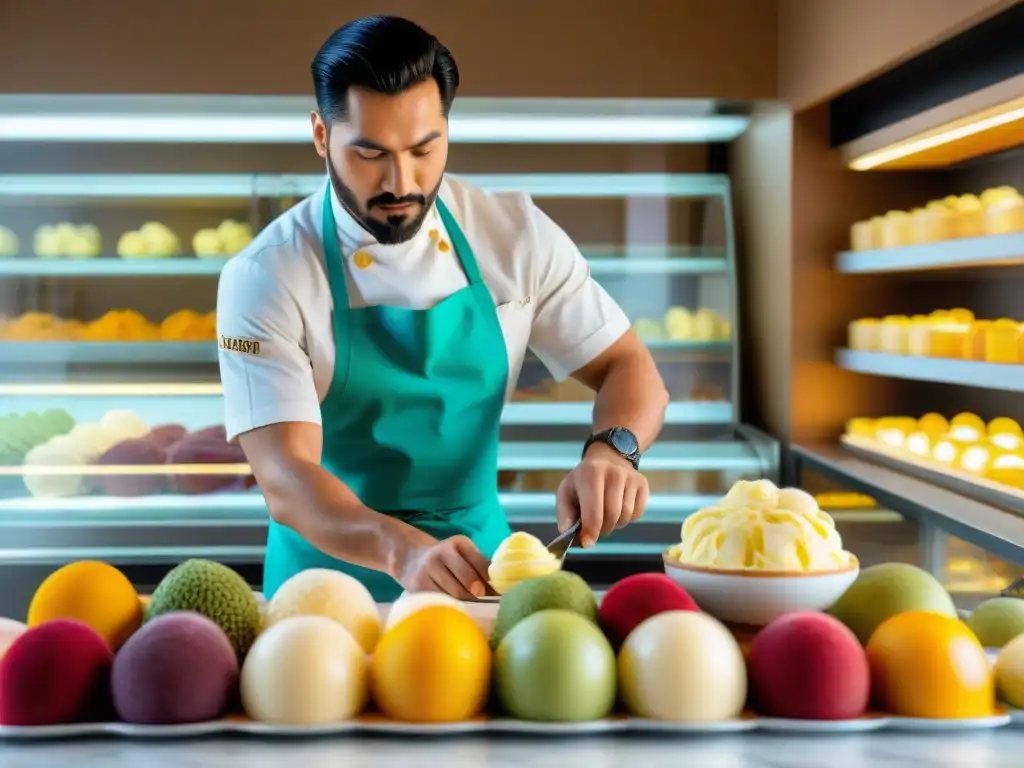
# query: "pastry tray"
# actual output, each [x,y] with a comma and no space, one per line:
[366,725]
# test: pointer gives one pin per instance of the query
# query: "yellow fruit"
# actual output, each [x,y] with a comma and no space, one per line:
[432,667]
[93,593]
[929,665]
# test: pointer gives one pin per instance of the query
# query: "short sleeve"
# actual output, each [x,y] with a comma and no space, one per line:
[575,319]
[264,367]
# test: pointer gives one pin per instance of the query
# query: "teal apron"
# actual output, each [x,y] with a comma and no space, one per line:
[412,416]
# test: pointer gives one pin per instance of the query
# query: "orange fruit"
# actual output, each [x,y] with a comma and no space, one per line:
[93,593]
[929,665]
[434,666]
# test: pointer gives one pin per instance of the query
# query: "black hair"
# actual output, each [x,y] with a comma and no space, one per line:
[386,54]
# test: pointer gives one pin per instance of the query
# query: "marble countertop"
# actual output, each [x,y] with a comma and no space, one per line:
[984,749]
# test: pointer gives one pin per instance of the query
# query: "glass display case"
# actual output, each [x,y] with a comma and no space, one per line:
[117,215]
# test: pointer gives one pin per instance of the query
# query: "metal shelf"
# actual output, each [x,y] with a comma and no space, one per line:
[984,525]
[138,353]
[563,414]
[966,373]
[244,186]
[603,261]
[733,456]
[991,251]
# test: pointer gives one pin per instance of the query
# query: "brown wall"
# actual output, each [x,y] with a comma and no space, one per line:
[585,48]
[828,46]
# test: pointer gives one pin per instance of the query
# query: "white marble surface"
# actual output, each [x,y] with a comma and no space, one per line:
[1002,748]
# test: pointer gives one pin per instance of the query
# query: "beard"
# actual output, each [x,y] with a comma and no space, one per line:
[394,229]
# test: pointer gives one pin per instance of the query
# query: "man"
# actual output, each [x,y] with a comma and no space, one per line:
[370,336]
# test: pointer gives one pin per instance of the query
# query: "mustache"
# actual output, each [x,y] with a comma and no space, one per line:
[389,199]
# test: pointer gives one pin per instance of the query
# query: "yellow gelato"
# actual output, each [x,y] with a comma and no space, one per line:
[758,526]
[519,557]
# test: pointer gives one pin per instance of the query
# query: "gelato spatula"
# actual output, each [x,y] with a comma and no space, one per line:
[561,543]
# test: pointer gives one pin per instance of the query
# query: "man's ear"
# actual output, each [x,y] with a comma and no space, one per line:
[319,133]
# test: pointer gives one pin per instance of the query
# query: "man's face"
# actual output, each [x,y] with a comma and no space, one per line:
[387,157]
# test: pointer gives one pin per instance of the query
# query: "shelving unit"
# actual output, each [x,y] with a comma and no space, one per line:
[964,373]
[692,264]
[991,251]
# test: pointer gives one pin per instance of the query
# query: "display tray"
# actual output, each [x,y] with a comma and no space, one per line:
[998,495]
[368,724]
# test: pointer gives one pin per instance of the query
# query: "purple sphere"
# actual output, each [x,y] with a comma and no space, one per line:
[178,668]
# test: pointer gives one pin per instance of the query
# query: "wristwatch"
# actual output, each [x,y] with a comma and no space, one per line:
[621,440]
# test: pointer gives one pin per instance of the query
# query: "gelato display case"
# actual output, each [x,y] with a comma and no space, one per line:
[111,438]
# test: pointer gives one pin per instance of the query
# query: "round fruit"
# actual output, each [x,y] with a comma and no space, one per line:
[562,590]
[410,602]
[56,673]
[555,666]
[216,592]
[882,591]
[433,667]
[1009,673]
[928,665]
[336,595]
[93,593]
[808,666]
[635,599]
[305,670]
[179,668]
[683,666]
[997,621]
[10,630]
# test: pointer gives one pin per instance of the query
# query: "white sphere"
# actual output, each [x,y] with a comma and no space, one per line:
[683,666]
[332,594]
[410,602]
[10,630]
[305,670]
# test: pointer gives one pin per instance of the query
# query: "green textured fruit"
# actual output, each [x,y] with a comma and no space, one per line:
[555,666]
[882,591]
[560,590]
[997,621]
[215,591]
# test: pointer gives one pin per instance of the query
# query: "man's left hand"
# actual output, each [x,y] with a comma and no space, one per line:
[604,491]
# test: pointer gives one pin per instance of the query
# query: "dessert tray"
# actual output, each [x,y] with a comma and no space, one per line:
[370,724]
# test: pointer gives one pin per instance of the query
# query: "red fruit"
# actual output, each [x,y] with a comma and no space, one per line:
[808,666]
[635,599]
[56,673]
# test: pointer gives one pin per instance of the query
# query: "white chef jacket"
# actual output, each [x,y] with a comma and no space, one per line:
[276,293]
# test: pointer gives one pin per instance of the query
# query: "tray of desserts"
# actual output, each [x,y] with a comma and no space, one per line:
[760,621]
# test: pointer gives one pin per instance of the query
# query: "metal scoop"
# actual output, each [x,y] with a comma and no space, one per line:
[561,543]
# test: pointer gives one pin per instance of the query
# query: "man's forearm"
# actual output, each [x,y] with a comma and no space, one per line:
[632,395]
[322,510]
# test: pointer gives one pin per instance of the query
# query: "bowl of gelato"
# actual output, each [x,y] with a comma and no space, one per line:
[759,553]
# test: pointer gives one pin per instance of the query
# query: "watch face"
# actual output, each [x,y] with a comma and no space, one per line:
[624,441]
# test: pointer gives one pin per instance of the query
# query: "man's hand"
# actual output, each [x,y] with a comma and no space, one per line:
[604,491]
[454,565]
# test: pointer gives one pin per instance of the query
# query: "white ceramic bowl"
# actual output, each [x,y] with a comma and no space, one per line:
[756,598]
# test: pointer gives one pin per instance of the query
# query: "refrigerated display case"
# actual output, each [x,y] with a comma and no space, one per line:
[112,448]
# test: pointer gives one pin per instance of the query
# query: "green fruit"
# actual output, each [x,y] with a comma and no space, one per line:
[884,590]
[561,589]
[216,592]
[555,666]
[997,621]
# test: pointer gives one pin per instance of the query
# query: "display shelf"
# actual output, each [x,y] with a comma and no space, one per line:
[603,261]
[991,251]
[989,527]
[965,373]
[130,353]
[963,483]
[558,414]
[136,186]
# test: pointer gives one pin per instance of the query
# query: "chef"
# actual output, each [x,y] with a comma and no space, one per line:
[370,336]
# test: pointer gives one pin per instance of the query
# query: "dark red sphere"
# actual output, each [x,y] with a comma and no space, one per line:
[56,673]
[635,599]
[808,666]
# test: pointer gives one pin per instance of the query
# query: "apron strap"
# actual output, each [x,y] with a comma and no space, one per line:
[335,267]
[459,242]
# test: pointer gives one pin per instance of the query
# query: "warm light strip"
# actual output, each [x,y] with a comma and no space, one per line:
[130,469]
[1004,114]
[111,390]
[468,129]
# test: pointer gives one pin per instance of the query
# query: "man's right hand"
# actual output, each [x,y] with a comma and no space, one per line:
[454,566]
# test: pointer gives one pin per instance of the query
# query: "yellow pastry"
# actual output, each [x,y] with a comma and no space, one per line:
[864,334]
[1002,341]
[967,428]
